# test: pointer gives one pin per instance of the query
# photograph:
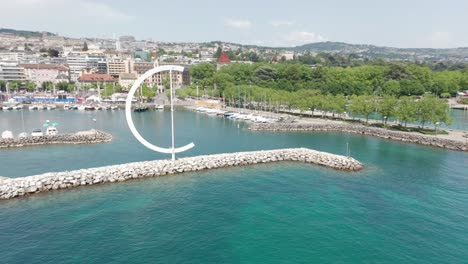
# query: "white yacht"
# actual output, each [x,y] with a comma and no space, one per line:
[159,107]
[23,135]
[17,107]
[37,132]
[51,131]
[7,134]
[51,107]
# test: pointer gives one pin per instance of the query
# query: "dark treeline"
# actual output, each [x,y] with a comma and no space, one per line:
[397,79]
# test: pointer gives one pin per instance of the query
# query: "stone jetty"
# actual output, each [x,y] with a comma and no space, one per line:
[365,130]
[85,137]
[17,187]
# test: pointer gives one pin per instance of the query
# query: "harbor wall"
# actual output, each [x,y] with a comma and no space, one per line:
[17,187]
[365,130]
[86,137]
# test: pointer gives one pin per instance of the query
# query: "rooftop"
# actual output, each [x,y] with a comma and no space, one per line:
[43,66]
[224,58]
[95,77]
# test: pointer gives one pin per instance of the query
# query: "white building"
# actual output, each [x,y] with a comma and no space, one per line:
[39,73]
[77,63]
[11,56]
[127,79]
[11,72]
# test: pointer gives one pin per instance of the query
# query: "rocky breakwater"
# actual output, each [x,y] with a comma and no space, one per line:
[17,187]
[85,137]
[411,137]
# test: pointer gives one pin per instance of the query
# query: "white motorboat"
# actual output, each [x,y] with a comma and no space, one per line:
[81,107]
[233,116]
[17,107]
[32,107]
[7,134]
[37,132]
[202,109]
[66,106]
[51,107]
[159,107]
[23,135]
[212,111]
[51,131]
[114,107]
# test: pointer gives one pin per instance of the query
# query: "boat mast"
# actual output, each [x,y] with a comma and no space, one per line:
[172,115]
[238,93]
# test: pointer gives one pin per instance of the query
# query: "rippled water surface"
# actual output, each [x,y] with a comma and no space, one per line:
[409,205]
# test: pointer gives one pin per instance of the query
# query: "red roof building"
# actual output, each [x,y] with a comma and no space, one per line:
[224,58]
[96,77]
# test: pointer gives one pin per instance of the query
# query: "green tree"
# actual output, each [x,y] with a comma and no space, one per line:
[52,52]
[47,85]
[391,87]
[203,74]
[387,107]
[2,85]
[85,46]
[434,110]
[364,105]
[30,86]
[407,110]
[222,81]
[265,73]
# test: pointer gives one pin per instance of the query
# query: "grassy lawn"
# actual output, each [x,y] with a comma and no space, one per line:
[424,131]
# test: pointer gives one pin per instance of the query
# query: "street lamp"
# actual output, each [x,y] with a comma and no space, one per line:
[436,125]
[385,121]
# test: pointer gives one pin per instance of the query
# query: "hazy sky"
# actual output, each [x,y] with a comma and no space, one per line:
[396,23]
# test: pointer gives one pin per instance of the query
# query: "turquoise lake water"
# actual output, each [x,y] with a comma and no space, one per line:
[409,205]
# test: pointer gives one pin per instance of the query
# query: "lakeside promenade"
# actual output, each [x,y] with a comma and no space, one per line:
[455,139]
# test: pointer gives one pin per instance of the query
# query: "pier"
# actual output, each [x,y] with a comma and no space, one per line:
[85,137]
[439,141]
[23,186]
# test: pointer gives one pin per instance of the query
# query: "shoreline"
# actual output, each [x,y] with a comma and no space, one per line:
[440,141]
[85,137]
[24,186]
[455,140]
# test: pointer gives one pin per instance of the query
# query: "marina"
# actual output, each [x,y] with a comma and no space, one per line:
[267,134]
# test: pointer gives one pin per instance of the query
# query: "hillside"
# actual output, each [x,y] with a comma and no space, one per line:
[24,33]
[371,51]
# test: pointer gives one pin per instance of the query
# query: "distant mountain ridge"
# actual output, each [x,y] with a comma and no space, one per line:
[385,52]
[25,33]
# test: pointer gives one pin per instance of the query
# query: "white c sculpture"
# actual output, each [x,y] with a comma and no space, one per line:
[128,111]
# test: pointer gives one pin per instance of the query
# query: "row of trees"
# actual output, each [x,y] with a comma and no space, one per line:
[394,79]
[406,109]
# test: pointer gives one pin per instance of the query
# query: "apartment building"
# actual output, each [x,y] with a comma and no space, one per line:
[11,56]
[11,72]
[39,73]
[178,79]
[116,67]
[77,63]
